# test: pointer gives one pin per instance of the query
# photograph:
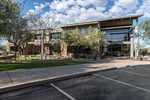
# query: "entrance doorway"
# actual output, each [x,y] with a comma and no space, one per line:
[118,50]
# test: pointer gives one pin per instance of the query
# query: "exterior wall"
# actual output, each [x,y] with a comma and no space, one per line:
[126,44]
[116,23]
[31,49]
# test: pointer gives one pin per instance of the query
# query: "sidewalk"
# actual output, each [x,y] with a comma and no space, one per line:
[20,76]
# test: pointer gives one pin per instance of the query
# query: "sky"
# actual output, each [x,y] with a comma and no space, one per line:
[72,11]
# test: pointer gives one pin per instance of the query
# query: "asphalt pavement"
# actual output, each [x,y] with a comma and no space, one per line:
[130,83]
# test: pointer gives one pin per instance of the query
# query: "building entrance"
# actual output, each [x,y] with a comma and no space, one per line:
[118,50]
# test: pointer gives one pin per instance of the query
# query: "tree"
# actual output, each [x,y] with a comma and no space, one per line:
[69,38]
[144,33]
[20,40]
[72,37]
[9,13]
[145,26]
[95,40]
[13,25]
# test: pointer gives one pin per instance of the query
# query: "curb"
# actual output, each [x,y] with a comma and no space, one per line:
[18,86]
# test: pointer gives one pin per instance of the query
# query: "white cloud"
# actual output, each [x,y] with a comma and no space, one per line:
[59,5]
[123,7]
[78,10]
[145,9]
[131,4]
[38,8]
[86,3]
[30,12]
[70,11]
[74,11]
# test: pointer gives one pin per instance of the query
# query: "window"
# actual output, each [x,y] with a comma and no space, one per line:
[117,35]
[55,35]
[83,30]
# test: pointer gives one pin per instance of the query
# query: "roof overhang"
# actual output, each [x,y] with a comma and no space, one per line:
[99,21]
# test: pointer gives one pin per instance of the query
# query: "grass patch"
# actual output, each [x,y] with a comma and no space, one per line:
[38,64]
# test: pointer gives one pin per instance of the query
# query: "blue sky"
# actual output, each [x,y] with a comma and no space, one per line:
[2,41]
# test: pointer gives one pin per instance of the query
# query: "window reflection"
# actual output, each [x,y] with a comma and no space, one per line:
[118,35]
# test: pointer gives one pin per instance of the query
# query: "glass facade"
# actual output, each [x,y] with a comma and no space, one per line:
[84,30]
[117,35]
[56,35]
[115,39]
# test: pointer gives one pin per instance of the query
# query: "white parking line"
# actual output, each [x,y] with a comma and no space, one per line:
[63,92]
[146,69]
[134,73]
[124,83]
[139,67]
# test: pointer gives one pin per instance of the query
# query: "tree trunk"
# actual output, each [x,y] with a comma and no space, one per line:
[15,49]
[100,51]
[64,51]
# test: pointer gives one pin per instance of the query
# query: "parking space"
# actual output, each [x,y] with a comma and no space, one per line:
[131,83]
[134,79]
[45,92]
[93,88]
[143,70]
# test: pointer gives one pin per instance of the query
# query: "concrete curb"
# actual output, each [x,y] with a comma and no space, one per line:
[18,86]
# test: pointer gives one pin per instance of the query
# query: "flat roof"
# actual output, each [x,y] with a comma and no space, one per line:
[103,20]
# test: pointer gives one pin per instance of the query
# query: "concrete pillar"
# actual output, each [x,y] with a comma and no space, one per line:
[42,45]
[132,46]
[137,48]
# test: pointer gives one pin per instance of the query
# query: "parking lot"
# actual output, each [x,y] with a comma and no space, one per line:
[130,83]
